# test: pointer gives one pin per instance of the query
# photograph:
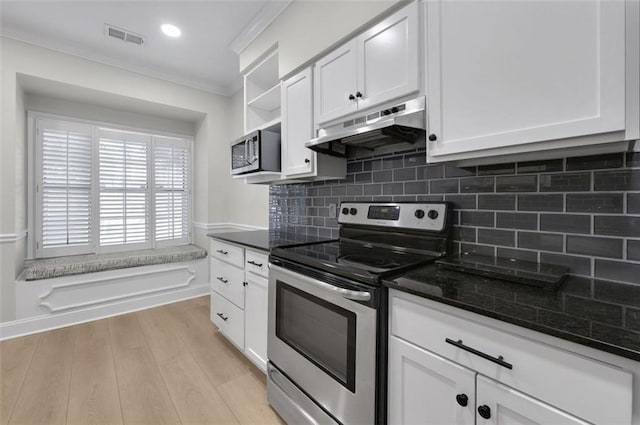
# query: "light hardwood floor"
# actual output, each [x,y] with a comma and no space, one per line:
[166,365]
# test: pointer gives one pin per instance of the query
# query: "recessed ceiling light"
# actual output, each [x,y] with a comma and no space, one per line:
[171,30]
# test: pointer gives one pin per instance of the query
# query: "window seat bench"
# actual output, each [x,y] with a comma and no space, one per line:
[57,292]
[48,268]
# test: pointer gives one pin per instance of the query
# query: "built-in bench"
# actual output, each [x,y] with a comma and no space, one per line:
[48,268]
[62,291]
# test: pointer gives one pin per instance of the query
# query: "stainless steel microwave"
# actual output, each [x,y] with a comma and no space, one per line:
[254,152]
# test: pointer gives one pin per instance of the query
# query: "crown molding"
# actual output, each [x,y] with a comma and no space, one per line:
[258,24]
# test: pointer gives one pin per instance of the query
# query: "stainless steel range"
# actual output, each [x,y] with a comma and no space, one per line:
[327,311]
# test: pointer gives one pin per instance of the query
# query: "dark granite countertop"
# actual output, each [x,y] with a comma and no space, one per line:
[596,313]
[265,240]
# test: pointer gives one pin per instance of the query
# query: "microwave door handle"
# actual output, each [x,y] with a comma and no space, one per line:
[254,152]
[246,152]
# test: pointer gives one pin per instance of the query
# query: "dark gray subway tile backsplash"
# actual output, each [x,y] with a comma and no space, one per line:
[581,212]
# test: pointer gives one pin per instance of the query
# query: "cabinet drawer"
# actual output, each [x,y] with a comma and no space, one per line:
[257,262]
[592,390]
[226,252]
[228,318]
[228,281]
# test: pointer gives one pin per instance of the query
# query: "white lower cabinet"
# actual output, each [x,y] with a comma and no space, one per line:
[228,318]
[256,319]
[239,298]
[426,388]
[503,405]
[450,367]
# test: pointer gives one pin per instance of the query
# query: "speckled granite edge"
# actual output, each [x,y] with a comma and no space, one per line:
[91,263]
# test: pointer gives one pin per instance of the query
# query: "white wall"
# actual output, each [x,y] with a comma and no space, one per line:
[308,28]
[88,111]
[253,206]
[213,186]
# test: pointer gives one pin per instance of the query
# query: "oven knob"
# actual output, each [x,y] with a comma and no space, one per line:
[353,211]
[345,211]
[419,213]
[432,214]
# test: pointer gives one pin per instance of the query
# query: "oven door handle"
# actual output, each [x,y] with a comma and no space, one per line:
[344,293]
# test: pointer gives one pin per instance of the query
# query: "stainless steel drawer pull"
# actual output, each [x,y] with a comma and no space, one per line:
[498,360]
[220,251]
[253,263]
[222,316]
[222,279]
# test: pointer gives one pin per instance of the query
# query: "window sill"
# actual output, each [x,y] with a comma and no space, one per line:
[80,264]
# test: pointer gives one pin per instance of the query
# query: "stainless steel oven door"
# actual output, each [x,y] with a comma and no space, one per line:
[244,157]
[324,340]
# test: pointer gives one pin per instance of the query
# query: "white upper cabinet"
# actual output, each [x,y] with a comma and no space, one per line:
[511,73]
[297,125]
[388,59]
[336,83]
[377,66]
[299,161]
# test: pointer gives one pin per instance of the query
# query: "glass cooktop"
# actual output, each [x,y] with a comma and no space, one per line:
[360,261]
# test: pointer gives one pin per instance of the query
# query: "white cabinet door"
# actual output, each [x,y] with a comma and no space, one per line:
[427,389]
[335,81]
[297,124]
[510,73]
[256,319]
[505,406]
[388,58]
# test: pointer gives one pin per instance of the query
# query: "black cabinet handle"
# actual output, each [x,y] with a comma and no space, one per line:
[462,399]
[433,137]
[245,283]
[253,263]
[307,160]
[484,411]
[352,97]
[498,360]
[358,95]
[222,252]
[222,279]
[220,315]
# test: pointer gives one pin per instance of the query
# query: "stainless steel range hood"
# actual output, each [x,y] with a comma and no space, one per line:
[385,130]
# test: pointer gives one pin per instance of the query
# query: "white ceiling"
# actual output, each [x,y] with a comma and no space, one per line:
[200,58]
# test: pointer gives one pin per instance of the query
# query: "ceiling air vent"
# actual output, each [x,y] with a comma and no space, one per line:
[123,35]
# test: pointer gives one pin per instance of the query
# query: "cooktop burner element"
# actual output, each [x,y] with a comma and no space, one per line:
[377,240]
[373,263]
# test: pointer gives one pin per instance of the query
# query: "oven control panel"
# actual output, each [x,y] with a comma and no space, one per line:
[428,216]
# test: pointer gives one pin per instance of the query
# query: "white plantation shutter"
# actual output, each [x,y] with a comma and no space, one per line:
[100,189]
[124,188]
[171,165]
[63,188]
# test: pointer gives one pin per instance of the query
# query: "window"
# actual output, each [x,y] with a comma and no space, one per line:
[102,189]
[171,170]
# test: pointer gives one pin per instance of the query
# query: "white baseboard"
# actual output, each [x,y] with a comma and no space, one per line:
[43,323]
